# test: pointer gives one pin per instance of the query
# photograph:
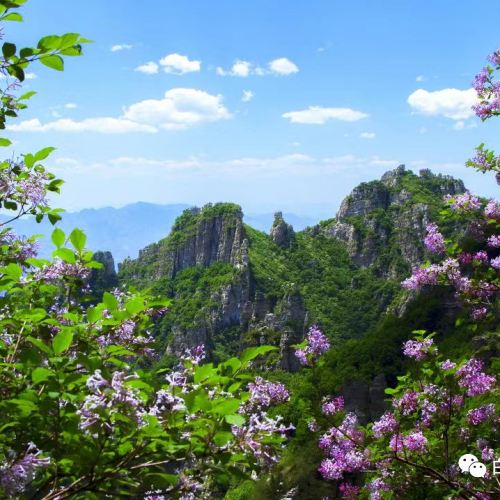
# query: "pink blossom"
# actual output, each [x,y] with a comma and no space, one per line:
[333,406]
[434,240]
[317,345]
[475,381]
[386,424]
[465,201]
[418,349]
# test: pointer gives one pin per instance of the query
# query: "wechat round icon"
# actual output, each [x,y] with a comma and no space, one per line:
[466,461]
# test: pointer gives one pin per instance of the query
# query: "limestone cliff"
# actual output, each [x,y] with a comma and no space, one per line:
[104,279]
[391,212]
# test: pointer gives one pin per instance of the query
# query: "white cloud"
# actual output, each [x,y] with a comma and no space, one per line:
[179,109]
[179,65]
[319,115]
[116,48]
[260,71]
[101,125]
[421,78]
[55,114]
[247,95]
[451,103]
[461,125]
[367,135]
[70,105]
[66,161]
[221,72]
[29,76]
[149,68]
[292,164]
[283,66]
[241,68]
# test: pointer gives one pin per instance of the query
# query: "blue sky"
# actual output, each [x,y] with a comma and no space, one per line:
[268,104]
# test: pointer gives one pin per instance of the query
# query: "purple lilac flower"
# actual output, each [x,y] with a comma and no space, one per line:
[386,424]
[487,453]
[479,415]
[396,444]
[16,474]
[448,365]
[333,406]
[434,240]
[475,381]
[494,241]
[313,425]
[478,312]
[465,258]
[264,393]
[376,487]
[416,442]
[492,210]
[465,201]
[407,403]
[349,492]
[194,355]
[481,256]
[317,345]
[495,263]
[418,349]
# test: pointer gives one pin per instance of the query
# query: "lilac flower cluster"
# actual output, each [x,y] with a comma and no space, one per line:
[341,447]
[483,161]
[376,487]
[107,399]
[492,209]
[264,394]
[333,406]
[487,90]
[16,474]
[318,344]
[349,492]
[466,201]
[473,379]
[386,424]
[418,349]
[59,268]
[434,240]
[480,415]
[448,365]
[407,404]
[487,453]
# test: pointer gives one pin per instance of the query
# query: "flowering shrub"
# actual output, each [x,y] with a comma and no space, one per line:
[75,420]
[442,412]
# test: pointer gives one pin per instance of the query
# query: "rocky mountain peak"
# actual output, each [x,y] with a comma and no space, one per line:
[282,234]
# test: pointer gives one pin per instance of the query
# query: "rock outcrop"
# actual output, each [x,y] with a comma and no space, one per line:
[104,279]
[282,234]
[389,211]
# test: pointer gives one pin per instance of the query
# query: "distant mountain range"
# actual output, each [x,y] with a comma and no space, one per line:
[123,231]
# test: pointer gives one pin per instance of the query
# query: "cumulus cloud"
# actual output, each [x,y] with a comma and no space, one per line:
[247,95]
[70,105]
[319,115]
[102,125]
[179,65]
[367,135]
[149,68]
[283,66]
[242,68]
[451,103]
[179,109]
[421,78]
[30,76]
[116,48]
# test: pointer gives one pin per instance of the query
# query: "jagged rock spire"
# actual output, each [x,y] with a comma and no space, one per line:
[282,233]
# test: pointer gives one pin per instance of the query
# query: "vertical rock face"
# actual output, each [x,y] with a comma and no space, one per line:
[101,280]
[389,211]
[282,234]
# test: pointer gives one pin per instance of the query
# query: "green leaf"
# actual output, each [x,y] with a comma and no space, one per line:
[93,314]
[253,352]
[48,43]
[27,95]
[110,301]
[13,16]
[237,420]
[53,61]
[202,372]
[135,305]
[41,374]
[58,237]
[31,315]
[78,239]
[66,255]
[227,406]
[14,271]
[62,341]
[232,364]
[94,265]
[158,480]
[5,142]
[68,40]
[43,153]
[222,438]
[45,348]
[53,217]
[8,50]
